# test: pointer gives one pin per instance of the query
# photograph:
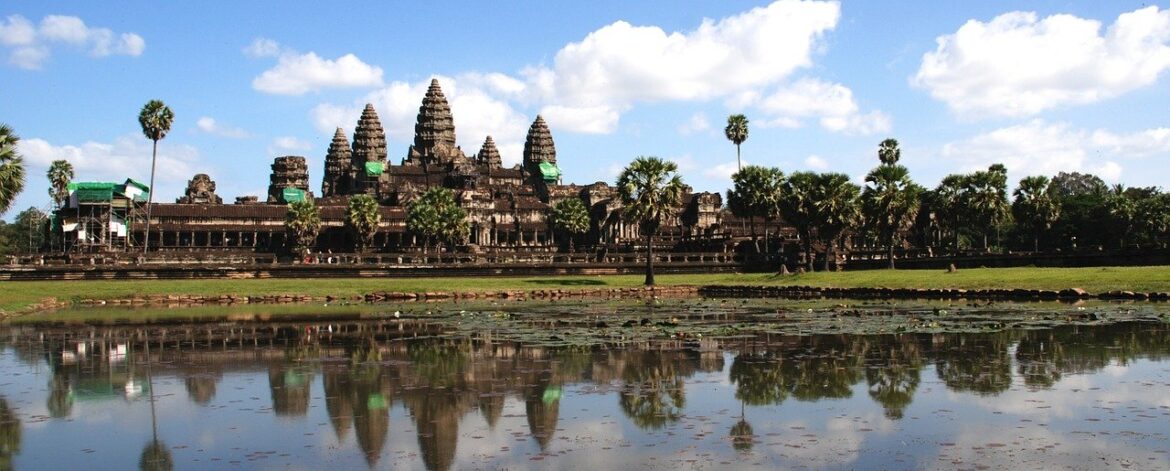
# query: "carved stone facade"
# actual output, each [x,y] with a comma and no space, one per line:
[338,175]
[289,171]
[200,190]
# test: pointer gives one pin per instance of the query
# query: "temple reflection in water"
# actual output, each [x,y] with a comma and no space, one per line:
[362,370]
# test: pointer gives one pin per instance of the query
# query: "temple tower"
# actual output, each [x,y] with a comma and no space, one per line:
[337,166]
[289,180]
[540,154]
[434,131]
[488,155]
[369,152]
[200,190]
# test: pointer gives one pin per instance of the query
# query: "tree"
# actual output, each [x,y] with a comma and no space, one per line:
[755,193]
[1152,217]
[11,168]
[60,174]
[435,216]
[156,119]
[737,132]
[1036,206]
[890,203]
[796,200]
[31,227]
[303,223]
[650,189]
[987,201]
[362,219]
[888,152]
[569,216]
[950,204]
[836,209]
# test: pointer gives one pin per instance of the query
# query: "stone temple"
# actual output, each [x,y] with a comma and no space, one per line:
[507,208]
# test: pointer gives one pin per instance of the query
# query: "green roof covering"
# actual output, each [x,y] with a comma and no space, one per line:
[549,171]
[292,195]
[94,192]
[139,185]
[373,169]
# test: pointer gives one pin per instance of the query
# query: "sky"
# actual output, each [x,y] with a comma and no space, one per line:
[1040,86]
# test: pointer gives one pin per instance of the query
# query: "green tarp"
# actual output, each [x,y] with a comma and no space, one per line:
[94,192]
[135,190]
[373,169]
[292,195]
[549,172]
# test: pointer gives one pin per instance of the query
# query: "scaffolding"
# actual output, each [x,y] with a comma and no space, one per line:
[99,215]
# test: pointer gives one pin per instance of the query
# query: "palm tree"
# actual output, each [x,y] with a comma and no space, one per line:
[156,119]
[987,199]
[650,189]
[755,192]
[837,209]
[950,199]
[11,168]
[60,174]
[737,132]
[1036,206]
[435,215]
[570,217]
[362,218]
[888,152]
[303,223]
[890,203]
[1121,209]
[796,206]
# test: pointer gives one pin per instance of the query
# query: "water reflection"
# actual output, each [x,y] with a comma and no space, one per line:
[381,382]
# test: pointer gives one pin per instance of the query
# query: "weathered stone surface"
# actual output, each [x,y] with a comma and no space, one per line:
[434,130]
[337,166]
[289,171]
[539,146]
[489,155]
[200,190]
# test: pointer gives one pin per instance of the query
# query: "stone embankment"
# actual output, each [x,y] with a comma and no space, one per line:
[1007,294]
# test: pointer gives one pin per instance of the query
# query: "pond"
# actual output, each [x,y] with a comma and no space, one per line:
[661,384]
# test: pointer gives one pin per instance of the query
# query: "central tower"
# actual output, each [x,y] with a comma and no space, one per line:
[434,131]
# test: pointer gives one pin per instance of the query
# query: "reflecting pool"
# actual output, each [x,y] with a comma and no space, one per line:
[673,385]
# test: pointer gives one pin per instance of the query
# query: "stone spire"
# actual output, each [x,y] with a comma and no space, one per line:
[434,131]
[539,146]
[289,171]
[337,166]
[489,155]
[369,139]
[200,190]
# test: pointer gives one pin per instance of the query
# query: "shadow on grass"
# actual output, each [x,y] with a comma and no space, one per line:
[567,282]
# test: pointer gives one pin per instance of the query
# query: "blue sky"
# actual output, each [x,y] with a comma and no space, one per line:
[1041,86]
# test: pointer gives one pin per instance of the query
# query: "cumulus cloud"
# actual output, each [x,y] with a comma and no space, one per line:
[296,73]
[31,45]
[832,104]
[816,162]
[697,124]
[210,126]
[477,112]
[126,157]
[288,144]
[1040,148]
[1020,65]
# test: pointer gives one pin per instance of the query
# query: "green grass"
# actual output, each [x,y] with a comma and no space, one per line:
[18,295]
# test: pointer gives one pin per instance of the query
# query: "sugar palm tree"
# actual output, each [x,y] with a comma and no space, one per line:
[436,216]
[737,132]
[755,193]
[362,218]
[837,209]
[570,217]
[888,152]
[890,203]
[303,223]
[60,174]
[797,198]
[156,119]
[650,189]
[11,168]
[1036,206]
[987,201]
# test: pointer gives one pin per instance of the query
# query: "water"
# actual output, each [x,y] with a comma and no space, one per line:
[418,393]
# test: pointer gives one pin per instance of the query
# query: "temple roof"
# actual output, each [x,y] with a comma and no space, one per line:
[539,147]
[369,139]
[434,125]
[489,155]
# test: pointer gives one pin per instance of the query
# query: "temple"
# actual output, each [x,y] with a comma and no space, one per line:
[507,208]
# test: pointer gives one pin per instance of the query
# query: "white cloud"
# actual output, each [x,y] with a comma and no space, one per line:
[209,125]
[582,119]
[832,103]
[723,172]
[126,157]
[816,162]
[287,144]
[476,112]
[1019,65]
[31,44]
[697,124]
[297,74]
[1040,148]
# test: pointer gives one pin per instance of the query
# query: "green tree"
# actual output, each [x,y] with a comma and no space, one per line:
[1036,206]
[362,219]
[31,226]
[737,132]
[836,209]
[11,168]
[156,120]
[1153,217]
[755,193]
[570,217]
[436,216]
[888,152]
[797,201]
[890,203]
[987,201]
[303,223]
[60,174]
[1121,207]
[950,205]
[650,190]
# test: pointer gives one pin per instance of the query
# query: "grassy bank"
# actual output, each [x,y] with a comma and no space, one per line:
[18,295]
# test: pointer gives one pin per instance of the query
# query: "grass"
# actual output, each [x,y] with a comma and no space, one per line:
[19,295]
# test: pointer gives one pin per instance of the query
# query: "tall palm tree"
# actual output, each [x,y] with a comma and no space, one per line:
[837,209]
[890,203]
[650,190]
[11,168]
[987,201]
[362,218]
[156,119]
[303,223]
[1036,206]
[755,193]
[888,152]
[737,132]
[797,198]
[60,174]
[950,198]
